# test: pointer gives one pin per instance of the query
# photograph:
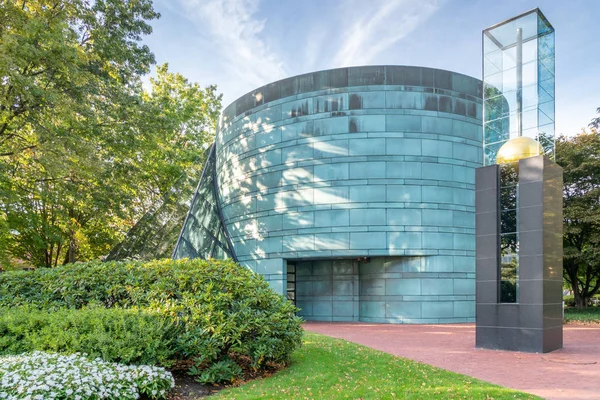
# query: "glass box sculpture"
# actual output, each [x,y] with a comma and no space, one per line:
[518,77]
[519,192]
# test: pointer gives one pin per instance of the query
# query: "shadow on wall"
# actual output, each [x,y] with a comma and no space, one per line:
[384,169]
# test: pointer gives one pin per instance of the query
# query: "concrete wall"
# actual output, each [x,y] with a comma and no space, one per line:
[367,161]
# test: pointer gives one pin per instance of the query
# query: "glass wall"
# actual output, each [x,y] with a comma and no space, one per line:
[155,234]
[375,161]
[518,71]
[203,234]
[509,235]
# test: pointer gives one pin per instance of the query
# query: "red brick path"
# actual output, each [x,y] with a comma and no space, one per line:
[570,373]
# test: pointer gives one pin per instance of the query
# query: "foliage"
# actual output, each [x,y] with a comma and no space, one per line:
[508,204]
[127,336]
[219,310]
[4,238]
[578,156]
[68,70]
[155,235]
[327,368]
[589,315]
[222,371]
[595,124]
[508,282]
[62,61]
[84,149]
[569,300]
[41,375]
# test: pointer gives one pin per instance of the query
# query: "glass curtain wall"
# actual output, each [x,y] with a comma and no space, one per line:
[518,75]
[155,234]
[203,234]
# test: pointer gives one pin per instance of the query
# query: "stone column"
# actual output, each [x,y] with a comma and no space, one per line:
[534,322]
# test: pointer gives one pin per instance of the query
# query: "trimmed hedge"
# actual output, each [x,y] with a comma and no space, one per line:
[216,313]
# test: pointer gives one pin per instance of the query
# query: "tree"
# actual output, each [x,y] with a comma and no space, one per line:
[62,62]
[186,115]
[579,158]
[68,68]
[181,118]
[84,149]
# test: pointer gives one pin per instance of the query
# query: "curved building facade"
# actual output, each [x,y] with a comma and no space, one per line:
[353,191]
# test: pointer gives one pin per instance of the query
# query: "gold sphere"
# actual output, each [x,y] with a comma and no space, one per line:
[518,148]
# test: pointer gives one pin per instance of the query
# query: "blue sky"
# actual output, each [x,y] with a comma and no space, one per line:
[243,44]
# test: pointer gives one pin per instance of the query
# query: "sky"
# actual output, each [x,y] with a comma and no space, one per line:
[240,45]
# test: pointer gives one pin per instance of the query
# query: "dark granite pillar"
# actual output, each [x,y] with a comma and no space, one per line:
[534,323]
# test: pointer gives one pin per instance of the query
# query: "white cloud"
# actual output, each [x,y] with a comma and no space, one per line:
[236,34]
[233,49]
[313,48]
[379,25]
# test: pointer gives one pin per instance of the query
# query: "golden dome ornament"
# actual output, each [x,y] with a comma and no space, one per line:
[518,148]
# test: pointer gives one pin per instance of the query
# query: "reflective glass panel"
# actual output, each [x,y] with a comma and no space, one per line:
[518,70]
[291,283]
[203,234]
[155,234]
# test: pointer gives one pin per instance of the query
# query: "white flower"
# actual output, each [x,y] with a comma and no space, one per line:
[47,376]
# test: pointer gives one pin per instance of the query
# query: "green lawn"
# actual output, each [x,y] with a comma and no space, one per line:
[326,368]
[587,315]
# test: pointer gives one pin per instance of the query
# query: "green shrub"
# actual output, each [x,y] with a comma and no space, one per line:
[570,300]
[585,315]
[127,336]
[222,371]
[219,311]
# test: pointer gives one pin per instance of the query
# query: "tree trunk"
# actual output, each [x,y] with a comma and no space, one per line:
[581,301]
[72,248]
[572,273]
[71,252]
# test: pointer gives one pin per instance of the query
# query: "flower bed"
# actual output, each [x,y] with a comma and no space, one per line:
[40,375]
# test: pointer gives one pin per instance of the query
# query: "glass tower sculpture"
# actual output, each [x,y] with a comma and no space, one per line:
[518,76]
[519,192]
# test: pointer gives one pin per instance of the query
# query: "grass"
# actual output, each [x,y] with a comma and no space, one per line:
[590,315]
[327,368]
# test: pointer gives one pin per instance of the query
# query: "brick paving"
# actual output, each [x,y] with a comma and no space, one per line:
[570,373]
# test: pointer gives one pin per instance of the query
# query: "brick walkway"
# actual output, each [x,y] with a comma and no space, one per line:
[570,373]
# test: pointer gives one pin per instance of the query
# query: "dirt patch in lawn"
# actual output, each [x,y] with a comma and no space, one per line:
[186,388]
